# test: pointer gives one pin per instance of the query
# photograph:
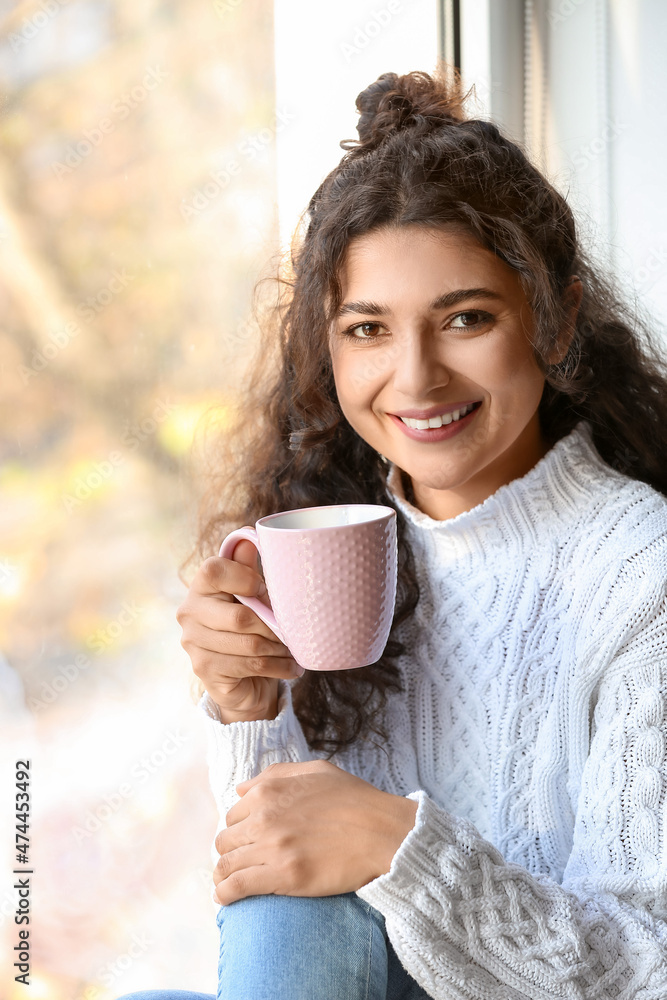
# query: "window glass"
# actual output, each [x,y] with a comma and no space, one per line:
[137,203]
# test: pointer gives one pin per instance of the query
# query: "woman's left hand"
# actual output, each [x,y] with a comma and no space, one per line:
[308,829]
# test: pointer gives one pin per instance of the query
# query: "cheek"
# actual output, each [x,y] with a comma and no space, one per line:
[514,370]
[356,379]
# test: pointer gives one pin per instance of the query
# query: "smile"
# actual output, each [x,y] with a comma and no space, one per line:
[444,418]
[439,427]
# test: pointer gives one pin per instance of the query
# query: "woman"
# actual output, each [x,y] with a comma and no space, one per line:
[490,821]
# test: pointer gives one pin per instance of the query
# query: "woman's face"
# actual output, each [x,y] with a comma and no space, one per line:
[433,327]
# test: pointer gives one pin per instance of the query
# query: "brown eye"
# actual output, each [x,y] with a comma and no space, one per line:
[469,320]
[363,331]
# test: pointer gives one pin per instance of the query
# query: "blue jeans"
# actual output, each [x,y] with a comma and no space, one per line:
[303,948]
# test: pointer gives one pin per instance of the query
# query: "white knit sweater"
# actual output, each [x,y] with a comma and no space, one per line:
[532,731]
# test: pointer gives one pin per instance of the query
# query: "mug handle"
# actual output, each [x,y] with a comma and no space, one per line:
[254,603]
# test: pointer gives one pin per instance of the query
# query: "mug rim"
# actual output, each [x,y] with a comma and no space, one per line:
[264,522]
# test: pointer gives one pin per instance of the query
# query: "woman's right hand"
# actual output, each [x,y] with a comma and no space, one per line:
[236,656]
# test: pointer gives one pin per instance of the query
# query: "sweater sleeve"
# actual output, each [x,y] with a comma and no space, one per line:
[467,924]
[238,751]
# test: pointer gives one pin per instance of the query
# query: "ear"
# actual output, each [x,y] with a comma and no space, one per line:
[572,297]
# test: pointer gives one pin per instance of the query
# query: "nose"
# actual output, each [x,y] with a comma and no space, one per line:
[418,371]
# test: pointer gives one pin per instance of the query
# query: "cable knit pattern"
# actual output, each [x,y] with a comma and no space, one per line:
[533,733]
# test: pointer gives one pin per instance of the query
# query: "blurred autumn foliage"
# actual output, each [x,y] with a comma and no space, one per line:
[137,209]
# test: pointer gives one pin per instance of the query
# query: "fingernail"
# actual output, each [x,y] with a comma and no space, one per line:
[299,670]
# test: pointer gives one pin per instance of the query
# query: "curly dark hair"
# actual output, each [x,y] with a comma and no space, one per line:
[419,161]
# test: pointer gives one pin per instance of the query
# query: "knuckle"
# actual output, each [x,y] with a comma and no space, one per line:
[223,866]
[260,664]
[242,617]
[206,567]
[273,771]
[198,669]
[251,644]
[213,570]
[237,883]
[190,647]
[194,655]
[283,844]
[292,864]
[264,805]
[202,666]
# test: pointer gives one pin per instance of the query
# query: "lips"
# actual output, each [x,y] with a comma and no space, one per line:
[438,420]
[435,411]
[446,428]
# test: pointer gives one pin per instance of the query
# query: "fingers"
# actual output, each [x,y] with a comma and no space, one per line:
[232,836]
[254,880]
[246,554]
[227,843]
[214,670]
[219,654]
[238,643]
[225,577]
[229,628]
[224,616]
[238,658]
[288,769]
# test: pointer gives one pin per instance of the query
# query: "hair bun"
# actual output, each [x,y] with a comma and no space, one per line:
[396,102]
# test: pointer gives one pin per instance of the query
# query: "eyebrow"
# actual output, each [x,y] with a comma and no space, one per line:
[445,301]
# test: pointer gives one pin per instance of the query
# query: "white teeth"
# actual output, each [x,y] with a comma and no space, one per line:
[440,421]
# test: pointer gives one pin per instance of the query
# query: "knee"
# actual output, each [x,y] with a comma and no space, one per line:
[342,938]
[309,915]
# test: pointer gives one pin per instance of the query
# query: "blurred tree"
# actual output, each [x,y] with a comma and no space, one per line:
[137,205]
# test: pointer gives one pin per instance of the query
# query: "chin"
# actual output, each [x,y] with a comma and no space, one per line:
[437,479]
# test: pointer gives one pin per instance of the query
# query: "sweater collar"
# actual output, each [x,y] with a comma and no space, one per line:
[526,508]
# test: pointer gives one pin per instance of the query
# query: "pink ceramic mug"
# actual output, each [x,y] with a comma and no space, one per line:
[331,577]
